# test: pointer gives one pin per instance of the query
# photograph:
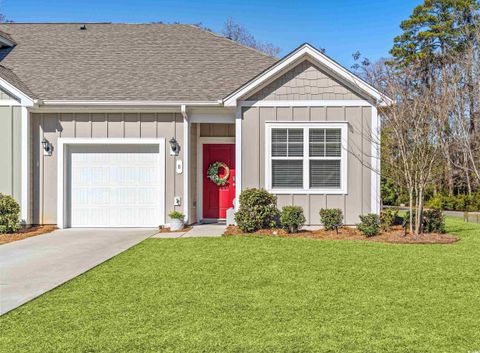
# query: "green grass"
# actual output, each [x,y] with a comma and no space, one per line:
[260,294]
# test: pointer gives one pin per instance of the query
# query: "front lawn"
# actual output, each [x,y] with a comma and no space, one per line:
[263,294]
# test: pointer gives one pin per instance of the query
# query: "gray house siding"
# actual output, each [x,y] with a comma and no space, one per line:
[10,151]
[358,199]
[97,125]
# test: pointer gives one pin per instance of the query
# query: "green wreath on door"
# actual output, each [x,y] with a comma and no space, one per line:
[214,169]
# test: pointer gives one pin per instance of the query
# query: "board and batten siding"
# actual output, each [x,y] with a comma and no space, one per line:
[358,199]
[97,125]
[11,151]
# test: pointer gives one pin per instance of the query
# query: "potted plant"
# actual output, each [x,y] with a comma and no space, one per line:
[177,220]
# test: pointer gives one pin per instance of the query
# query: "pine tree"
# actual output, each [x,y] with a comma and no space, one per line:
[435,29]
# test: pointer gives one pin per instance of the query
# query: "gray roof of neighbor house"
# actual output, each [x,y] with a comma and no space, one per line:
[136,62]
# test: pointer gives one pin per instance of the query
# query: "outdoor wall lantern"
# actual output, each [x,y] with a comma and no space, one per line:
[174,147]
[47,147]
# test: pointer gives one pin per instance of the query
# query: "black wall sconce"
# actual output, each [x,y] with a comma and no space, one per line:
[174,147]
[47,147]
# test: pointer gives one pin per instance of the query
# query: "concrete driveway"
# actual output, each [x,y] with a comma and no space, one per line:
[33,266]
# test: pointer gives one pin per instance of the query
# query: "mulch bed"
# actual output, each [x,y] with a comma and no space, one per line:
[394,235]
[26,233]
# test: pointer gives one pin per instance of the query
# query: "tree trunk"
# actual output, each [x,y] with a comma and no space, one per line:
[410,207]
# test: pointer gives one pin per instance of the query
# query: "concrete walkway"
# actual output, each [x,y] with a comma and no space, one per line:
[33,266]
[199,230]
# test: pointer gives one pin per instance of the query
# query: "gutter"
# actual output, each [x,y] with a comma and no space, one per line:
[131,103]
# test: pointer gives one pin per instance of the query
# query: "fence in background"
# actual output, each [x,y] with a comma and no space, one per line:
[472,217]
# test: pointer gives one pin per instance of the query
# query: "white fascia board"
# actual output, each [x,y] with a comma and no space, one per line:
[212,118]
[309,103]
[306,52]
[6,42]
[25,100]
[128,103]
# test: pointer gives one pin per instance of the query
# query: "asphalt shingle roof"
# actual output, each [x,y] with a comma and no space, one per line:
[148,62]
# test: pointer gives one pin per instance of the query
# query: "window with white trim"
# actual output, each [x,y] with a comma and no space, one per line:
[306,158]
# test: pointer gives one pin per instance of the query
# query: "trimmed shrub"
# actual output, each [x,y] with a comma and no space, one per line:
[331,218]
[388,218]
[369,225]
[433,221]
[9,214]
[258,210]
[292,218]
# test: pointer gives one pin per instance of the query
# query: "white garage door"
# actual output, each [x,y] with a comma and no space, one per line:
[115,186]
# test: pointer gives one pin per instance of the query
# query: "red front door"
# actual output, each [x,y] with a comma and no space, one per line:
[218,199]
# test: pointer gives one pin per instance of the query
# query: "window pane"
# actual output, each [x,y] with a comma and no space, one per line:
[295,149]
[317,142]
[287,142]
[334,150]
[295,142]
[317,150]
[325,174]
[287,174]
[317,135]
[333,135]
[279,142]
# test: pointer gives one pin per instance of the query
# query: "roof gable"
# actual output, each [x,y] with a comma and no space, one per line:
[306,53]
[306,81]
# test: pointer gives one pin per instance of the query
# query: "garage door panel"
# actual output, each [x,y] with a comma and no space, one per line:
[115,186]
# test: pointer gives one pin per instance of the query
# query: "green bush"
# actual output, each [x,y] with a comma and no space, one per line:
[258,210]
[292,218]
[388,218]
[177,215]
[433,221]
[331,218]
[370,224]
[9,214]
[470,203]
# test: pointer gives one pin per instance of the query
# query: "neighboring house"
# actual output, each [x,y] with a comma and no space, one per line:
[91,116]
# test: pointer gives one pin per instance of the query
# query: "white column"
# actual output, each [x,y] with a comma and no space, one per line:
[238,155]
[186,163]
[375,187]
[25,166]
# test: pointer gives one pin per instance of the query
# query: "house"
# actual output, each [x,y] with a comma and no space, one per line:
[106,125]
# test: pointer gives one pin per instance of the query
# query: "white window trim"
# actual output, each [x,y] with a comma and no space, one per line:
[343,126]
[63,143]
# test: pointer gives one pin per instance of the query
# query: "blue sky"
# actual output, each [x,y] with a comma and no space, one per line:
[339,26]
